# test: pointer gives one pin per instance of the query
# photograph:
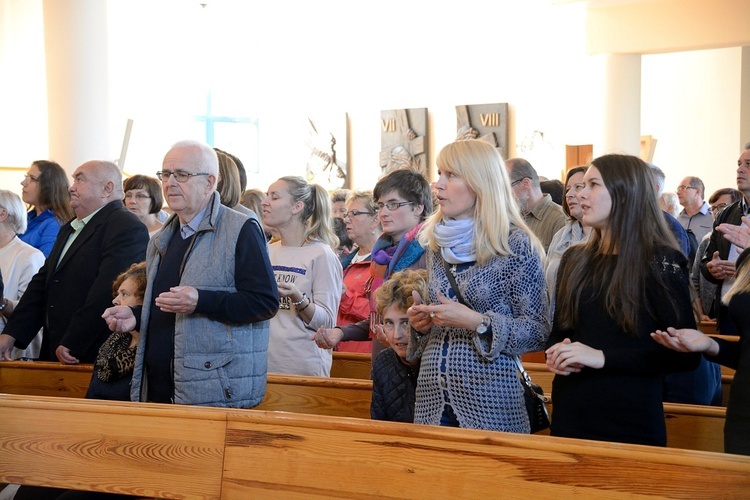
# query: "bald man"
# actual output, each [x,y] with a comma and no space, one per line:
[71,291]
[210,295]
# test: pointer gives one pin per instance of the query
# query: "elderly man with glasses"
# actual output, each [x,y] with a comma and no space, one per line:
[696,213]
[209,298]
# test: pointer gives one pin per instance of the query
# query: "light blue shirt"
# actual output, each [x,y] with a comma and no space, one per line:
[189,229]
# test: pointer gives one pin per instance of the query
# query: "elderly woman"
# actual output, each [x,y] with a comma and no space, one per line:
[143,197]
[363,228]
[19,262]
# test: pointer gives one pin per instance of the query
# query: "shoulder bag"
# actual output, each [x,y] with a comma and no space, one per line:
[533,394]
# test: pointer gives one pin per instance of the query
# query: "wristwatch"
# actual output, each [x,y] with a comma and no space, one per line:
[484,325]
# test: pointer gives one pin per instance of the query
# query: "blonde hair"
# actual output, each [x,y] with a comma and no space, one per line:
[481,167]
[397,290]
[741,282]
[316,214]
[229,180]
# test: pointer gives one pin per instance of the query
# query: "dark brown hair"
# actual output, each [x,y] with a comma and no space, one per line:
[53,190]
[149,184]
[636,229]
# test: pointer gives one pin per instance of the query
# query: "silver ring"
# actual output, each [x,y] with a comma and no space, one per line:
[432,315]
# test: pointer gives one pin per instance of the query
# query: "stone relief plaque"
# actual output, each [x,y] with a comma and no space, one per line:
[327,161]
[488,122]
[403,140]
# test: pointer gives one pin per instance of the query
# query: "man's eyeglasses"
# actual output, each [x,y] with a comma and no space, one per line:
[354,213]
[393,205]
[683,188]
[179,175]
[137,196]
[518,181]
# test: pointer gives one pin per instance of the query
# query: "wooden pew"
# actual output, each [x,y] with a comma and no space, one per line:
[351,365]
[137,449]
[318,395]
[171,451]
[688,426]
[40,378]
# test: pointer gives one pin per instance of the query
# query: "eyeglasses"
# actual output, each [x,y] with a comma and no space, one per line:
[683,188]
[179,175]
[518,181]
[719,206]
[137,196]
[354,213]
[31,178]
[393,205]
[389,325]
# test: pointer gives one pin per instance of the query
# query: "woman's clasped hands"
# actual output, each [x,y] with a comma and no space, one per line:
[568,357]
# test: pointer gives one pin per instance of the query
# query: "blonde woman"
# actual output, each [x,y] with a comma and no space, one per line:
[467,337]
[308,275]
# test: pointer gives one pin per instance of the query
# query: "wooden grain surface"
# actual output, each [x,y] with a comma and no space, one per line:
[351,365]
[688,426]
[391,460]
[116,447]
[170,451]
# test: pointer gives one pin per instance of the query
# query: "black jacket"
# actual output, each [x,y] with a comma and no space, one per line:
[394,387]
[68,299]
[730,215]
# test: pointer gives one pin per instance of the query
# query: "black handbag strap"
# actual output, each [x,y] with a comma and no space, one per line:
[452,279]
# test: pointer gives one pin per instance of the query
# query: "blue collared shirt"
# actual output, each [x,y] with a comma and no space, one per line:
[189,229]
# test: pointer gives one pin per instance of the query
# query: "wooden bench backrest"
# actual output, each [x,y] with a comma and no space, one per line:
[143,450]
[192,452]
[688,426]
[351,365]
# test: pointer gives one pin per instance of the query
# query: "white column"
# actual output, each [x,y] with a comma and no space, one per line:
[621,105]
[75,42]
[745,98]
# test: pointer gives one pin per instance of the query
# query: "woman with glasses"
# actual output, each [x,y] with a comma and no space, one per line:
[573,232]
[488,299]
[404,201]
[45,190]
[363,228]
[308,275]
[143,197]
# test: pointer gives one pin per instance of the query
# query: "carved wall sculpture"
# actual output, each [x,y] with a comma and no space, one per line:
[403,140]
[327,163]
[488,122]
